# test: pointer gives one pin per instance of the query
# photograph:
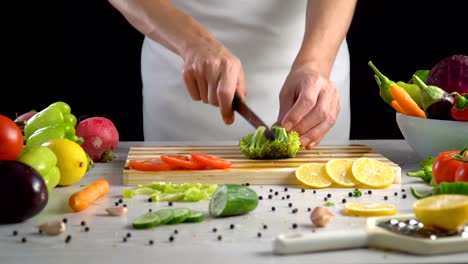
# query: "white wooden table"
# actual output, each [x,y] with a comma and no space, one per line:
[197,243]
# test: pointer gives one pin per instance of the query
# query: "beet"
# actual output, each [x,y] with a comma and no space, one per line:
[25,192]
[450,74]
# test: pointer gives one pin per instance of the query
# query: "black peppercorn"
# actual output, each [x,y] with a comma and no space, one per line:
[116,203]
[231,226]
[171,238]
[369,192]
[124,239]
[287,196]
[83,223]
[343,201]
[350,194]
[86,229]
[151,242]
[395,194]
[302,190]
[15,232]
[129,235]
[276,193]
[259,234]
[23,240]
[271,190]
[294,225]
[309,209]
[329,195]
[247,184]
[385,197]
[290,204]
[176,231]
[403,196]
[265,226]
[215,230]
[270,196]
[285,189]
[260,197]
[150,210]
[294,210]
[124,205]
[220,237]
[282,198]
[150,200]
[120,200]
[273,208]
[314,192]
[65,220]
[67,239]
[169,203]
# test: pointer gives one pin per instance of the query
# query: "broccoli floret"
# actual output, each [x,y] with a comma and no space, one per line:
[257,146]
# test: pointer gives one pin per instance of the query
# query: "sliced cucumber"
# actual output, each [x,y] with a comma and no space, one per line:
[147,220]
[165,215]
[232,199]
[179,216]
[195,217]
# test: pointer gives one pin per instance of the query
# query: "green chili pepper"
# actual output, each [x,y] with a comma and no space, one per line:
[60,131]
[444,188]
[384,84]
[425,173]
[56,113]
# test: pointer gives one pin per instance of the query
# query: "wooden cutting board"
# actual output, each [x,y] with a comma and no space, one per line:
[243,170]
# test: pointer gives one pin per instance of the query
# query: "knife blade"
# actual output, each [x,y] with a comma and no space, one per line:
[250,116]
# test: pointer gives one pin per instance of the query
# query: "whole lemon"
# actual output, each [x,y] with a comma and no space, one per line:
[71,160]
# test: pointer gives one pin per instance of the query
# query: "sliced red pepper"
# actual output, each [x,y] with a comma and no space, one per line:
[459,109]
[150,165]
[183,161]
[211,160]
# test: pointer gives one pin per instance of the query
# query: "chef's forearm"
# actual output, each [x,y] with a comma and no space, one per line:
[327,23]
[164,23]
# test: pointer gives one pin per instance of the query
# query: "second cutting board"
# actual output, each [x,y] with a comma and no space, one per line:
[243,170]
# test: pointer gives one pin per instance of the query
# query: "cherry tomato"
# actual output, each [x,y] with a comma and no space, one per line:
[212,161]
[450,166]
[150,165]
[183,161]
[11,139]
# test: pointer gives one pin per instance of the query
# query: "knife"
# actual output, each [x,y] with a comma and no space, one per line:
[250,116]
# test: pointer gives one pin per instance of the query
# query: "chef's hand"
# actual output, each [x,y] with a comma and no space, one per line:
[213,74]
[309,104]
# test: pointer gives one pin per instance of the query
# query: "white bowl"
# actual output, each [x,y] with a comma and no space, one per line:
[429,137]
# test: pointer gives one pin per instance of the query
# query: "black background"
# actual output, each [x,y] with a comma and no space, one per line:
[87,55]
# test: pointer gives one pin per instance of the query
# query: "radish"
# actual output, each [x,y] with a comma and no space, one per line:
[100,137]
[22,119]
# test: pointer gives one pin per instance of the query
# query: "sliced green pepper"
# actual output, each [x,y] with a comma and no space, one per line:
[56,113]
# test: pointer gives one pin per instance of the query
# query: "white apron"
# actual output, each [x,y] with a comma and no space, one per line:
[266,36]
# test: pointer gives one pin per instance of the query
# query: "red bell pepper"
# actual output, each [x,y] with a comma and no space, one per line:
[459,109]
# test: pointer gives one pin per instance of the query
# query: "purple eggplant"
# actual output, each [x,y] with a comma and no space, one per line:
[436,102]
[24,194]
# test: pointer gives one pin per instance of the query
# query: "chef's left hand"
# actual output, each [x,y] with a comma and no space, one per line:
[309,104]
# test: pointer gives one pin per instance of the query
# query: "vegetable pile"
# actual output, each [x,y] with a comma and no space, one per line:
[438,93]
[447,172]
[258,146]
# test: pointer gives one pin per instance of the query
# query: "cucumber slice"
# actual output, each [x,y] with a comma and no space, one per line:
[165,215]
[232,199]
[180,214]
[195,217]
[147,220]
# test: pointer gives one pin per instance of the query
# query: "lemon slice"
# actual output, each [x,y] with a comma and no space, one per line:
[446,211]
[313,175]
[369,209]
[372,173]
[339,171]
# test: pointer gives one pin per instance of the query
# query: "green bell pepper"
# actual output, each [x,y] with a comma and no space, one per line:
[44,160]
[55,131]
[56,113]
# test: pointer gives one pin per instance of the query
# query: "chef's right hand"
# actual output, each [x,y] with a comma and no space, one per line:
[213,75]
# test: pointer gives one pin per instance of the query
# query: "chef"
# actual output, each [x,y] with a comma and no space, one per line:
[288,60]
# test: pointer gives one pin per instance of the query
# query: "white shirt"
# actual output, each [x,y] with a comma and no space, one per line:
[266,36]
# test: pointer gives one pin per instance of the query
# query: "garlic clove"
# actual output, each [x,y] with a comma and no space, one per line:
[117,211]
[321,216]
[53,228]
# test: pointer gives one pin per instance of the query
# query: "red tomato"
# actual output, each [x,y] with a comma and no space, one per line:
[150,165]
[450,166]
[212,161]
[11,139]
[183,161]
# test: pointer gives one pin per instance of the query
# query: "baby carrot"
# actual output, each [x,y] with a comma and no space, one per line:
[409,106]
[82,199]
[397,107]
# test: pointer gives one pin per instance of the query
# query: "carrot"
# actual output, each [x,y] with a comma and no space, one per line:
[397,107]
[82,199]
[409,106]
